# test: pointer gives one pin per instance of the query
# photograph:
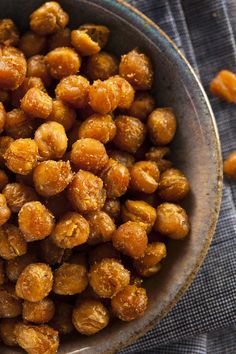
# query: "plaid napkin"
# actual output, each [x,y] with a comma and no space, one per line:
[205,30]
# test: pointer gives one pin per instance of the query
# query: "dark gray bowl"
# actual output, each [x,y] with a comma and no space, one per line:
[196,148]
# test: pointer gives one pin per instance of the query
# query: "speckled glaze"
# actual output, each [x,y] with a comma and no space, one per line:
[196,149]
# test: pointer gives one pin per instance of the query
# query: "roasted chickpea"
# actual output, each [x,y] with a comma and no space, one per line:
[32,44]
[36,103]
[157,153]
[38,312]
[7,331]
[62,320]
[88,154]
[230,165]
[36,67]
[161,125]
[123,157]
[10,304]
[86,192]
[62,62]
[5,142]
[12,68]
[12,243]
[105,250]
[126,91]
[137,69]
[101,227]
[72,230]
[35,221]
[140,211]
[172,221]
[3,117]
[61,38]
[2,272]
[3,179]
[131,239]
[130,133]
[73,90]
[84,43]
[9,34]
[35,282]
[51,140]
[98,33]
[173,185]
[104,96]
[63,114]
[142,105]
[28,83]
[101,66]
[52,177]
[107,277]
[17,194]
[48,18]
[90,316]
[116,178]
[223,84]
[147,272]
[15,266]
[5,212]
[144,176]
[155,252]
[112,208]
[18,124]
[129,303]
[70,279]
[40,339]
[98,126]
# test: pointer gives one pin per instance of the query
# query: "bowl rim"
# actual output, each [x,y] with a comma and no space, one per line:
[218,192]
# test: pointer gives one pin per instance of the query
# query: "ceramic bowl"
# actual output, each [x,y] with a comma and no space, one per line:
[196,151]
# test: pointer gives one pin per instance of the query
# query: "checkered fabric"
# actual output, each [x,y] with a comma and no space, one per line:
[205,30]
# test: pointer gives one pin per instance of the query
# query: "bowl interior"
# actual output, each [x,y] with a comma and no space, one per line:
[195,150]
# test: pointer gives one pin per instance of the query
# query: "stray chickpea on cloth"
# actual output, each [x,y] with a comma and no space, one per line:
[86,183]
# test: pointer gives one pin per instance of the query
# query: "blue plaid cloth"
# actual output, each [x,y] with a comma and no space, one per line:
[204,321]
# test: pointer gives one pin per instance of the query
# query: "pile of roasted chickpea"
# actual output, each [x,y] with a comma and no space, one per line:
[87,190]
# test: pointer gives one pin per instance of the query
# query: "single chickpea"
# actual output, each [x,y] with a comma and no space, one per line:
[72,230]
[112,207]
[104,96]
[230,165]
[18,124]
[9,33]
[17,194]
[10,304]
[90,316]
[36,67]
[130,133]
[130,239]
[101,66]
[142,105]
[62,62]
[2,272]
[51,140]
[98,33]
[7,331]
[104,250]
[28,83]
[5,142]
[116,178]
[62,320]
[15,266]
[98,126]
[21,156]
[122,157]
[32,44]
[36,103]
[144,176]
[126,92]
[52,177]
[139,211]
[70,279]
[61,38]
[12,243]
[108,277]
[173,185]
[101,227]
[35,282]
[161,125]
[88,154]
[129,303]
[49,253]
[63,114]
[137,69]
[48,18]
[3,117]
[223,85]
[35,221]
[154,254]
[172,221]
[73,90]
[38,312]
[86,192]
[37,339]
[5,211]
[12,68]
